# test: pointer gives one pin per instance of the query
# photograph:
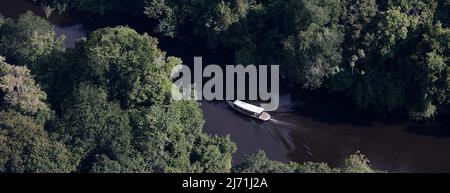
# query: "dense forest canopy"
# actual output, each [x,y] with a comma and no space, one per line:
[391,56]
[387,55]
[114,115]
[105,106]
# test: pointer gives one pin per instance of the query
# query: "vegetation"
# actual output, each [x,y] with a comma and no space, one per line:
[387,55]
[259,163]
[104,106]
[24,144]
[94,6]
[28,40]
[114,113]
[391,56]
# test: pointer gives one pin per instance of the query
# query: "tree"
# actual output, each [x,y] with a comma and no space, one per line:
[26,147]
[359,14]
[314,51]
[212,154]
[28,40]
[100,7]
[91,126]
[158,9]
[432,75]
[20,92]
[172,140]
[259,163]
[357,163]
[31,41]
[314,55]
[208,19]
[128,65]
[57,76]
[392,63]
[393,27]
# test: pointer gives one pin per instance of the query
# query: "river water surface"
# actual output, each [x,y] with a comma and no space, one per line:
[314,128]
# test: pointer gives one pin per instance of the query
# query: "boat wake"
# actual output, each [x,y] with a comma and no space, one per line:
[282,134]
[285,131]
[284,123]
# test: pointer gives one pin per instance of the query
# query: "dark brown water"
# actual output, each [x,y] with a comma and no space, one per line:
[315,128]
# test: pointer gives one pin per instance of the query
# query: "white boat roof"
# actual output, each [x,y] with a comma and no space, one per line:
[249,107]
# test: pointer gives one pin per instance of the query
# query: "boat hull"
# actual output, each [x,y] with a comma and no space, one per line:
[262,117]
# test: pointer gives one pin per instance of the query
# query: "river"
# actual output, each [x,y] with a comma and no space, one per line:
[313,128]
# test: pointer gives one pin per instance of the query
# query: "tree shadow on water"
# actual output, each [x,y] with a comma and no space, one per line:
[434,130]
[337,109]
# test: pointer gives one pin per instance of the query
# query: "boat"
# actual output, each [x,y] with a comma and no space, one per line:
[250,110]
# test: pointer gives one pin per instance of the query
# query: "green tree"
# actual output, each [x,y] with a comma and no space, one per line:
[314,50]
[208,18]
[171,139]
[159,10]
[313,55]
[31,41]
[259,163]
[128,65]
[26,147]
[100,7]
[357,163]
[212,154]
[91,126]
[393,27]
[393,64]
[432,75]
[20,92]
[57,76]
[28,40]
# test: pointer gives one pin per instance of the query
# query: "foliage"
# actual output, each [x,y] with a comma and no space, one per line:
[371,50]
[208,18]
[171,140]
[114,113]
[259,163]
[26,147]
[357,163]
[111,93]
[379,52]
[128,65]
[93,126]
[388,74]
[94,6]
[28,40]
[31,40]
[20,92]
